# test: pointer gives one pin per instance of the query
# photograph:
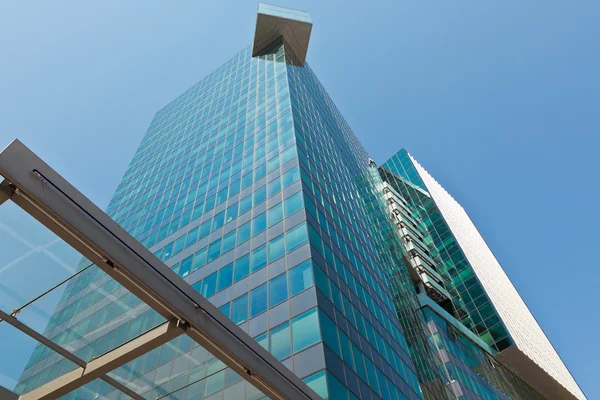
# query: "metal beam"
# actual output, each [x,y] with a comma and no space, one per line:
[63,352]
[107,362]
[6,394]
[50,199]
[41,339]
[4,191]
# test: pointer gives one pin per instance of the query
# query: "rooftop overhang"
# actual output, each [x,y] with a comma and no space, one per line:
[533,374]
[274,23]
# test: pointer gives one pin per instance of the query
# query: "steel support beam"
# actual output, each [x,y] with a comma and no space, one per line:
[6,394]
[100,366]
[4,191]
[49,198]
[63,352]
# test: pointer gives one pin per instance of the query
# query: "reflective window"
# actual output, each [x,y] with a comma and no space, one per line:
[258,300]
[259,258]
[280,339]
[305,330]
[214,251]
[278,290]
[225,277]
[301,277]
[242,268]
[276,248]
[259,224]
[275,214]
[239,309]
[296,237]
[292,204]
[243,233]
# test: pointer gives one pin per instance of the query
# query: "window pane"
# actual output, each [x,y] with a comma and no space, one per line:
[199,259]
[209,285]
[292,204]
[290,176]
[218,220]
[192,237]
[231,213]
[273,187]
[281,341]
[225,277]
[305,330]
[275,214]
[214,250]
[259,224]
[276,248]
[263,340]
[186,266]
[245,204]
[243,233]
[225,309]
[242,267]
[301,277]
[260,195]
[204,229]
[318,383]
[259,258]
[258,300]
[296,237]
[239,309]
[278,290]
[228,242]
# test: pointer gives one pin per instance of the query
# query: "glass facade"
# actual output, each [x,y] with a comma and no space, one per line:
[252,187]
[470,302]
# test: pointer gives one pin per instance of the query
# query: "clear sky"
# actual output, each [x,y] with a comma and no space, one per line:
[500,101]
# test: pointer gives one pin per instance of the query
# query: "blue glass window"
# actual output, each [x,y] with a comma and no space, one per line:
[225,277]
[275,214]
[259,224]
[231,213]
[296,237]
[280,341]
[260,195]
[245,204]
[305,330]
[218,220]
[259,258]
[199,259]
[258,300]
[301,277]
[167,251]
[228,242]
[204,229]
[318,383]
[186,265]
[192,237]
[290,176]
[239,309]
[214,251]
[278,290]
[209,285]
[243,233]
[225,309]
[276,248]
[242,267]
[292,204]
[273,187]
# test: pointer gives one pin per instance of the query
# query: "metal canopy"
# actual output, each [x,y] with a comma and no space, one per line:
[49,198]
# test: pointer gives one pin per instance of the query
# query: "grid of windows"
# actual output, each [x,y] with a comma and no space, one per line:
[366,353]
[471,304]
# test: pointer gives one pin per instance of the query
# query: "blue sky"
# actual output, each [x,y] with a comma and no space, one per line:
[498,100]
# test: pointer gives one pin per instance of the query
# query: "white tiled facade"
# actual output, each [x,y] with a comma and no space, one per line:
[522,326]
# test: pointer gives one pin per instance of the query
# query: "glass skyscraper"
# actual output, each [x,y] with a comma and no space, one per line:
[252,187]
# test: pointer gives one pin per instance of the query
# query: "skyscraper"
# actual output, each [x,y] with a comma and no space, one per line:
[252,187]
